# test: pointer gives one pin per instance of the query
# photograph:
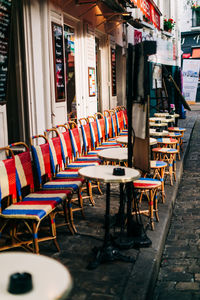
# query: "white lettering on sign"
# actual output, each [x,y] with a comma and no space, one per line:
[146,8]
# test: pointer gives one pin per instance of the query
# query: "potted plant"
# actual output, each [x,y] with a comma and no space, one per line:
[195,7]
[169,24]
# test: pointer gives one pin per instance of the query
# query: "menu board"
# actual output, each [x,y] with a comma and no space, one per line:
[57,32]
[5,20]
[113,71]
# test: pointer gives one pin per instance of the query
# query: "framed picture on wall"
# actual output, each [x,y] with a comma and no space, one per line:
[91,82]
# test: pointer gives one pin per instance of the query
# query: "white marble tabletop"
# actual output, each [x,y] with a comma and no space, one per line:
[153,124]
[115,154]
[51,280]
[163,120]
[153,132]
[104,173]
[122,139]
[166,114]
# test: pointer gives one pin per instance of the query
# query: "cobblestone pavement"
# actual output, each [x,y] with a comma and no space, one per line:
[179,276]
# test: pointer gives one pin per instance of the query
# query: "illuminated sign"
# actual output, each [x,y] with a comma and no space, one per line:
[149,11]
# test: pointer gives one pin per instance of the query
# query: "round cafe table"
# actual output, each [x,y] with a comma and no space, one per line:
[51,280]
[124,140]
[166,114]
[153,132]
[104,173]
[114,155]
[163,120]
[154,124]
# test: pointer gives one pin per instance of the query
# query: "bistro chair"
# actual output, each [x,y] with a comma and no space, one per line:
[158,169]
[42,161]
[168,155]
[31,209]
[149,187]
[178,130]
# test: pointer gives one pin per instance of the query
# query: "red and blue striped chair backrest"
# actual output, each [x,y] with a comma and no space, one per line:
[86,137]
[75,141]
[41,156]
[8,180]
[94,133]
[101,129]
[108,127]
[24,171]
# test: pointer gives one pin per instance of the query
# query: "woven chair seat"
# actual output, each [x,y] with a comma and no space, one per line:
[69,173]
[157,164]
[147,183]
[63,184]
[29,210]
[79,164]
[176,129]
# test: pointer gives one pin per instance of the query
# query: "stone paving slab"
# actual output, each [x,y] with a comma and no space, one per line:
[116,280]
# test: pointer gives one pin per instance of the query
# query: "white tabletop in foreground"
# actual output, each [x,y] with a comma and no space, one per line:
[115,154]
[122,139]
[105,174]
[51,280]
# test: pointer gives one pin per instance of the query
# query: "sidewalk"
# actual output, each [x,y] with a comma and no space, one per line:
[179,275]
[116,280]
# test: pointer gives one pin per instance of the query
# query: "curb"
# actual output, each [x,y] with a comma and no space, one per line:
[144,273]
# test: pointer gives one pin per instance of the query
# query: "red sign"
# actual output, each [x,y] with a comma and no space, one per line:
[137,37]
[149,11]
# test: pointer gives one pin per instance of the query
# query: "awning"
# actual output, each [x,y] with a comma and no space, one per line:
[114,5]
[196,53]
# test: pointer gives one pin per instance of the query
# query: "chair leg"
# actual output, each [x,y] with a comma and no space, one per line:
[70,210]
[80,200]
[35,237]
[151,201]
[99,189]
[156,205]
[53,230]
[89,192]
[67,218]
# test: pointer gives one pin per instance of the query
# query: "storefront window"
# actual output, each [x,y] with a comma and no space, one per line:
[196,18]
[69,37]
[58,61]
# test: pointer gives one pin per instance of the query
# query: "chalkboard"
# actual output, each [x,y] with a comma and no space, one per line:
[5,20]
[57,32]
[113,71]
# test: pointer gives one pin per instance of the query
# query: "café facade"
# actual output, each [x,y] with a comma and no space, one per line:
[67,58]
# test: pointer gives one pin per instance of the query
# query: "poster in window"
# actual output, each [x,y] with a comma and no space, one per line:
[113,71]
[5,21]
[57,32]
[91,82]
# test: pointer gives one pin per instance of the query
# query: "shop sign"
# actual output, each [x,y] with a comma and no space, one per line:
[191,69]
[149,11]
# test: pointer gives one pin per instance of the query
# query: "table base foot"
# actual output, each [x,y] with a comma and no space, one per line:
[108,254]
